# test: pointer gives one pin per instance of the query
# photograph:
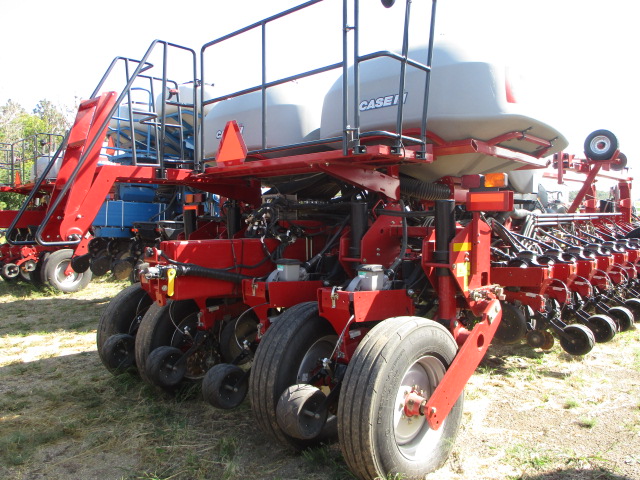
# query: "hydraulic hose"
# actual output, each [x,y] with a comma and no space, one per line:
[192,270]
[423,190]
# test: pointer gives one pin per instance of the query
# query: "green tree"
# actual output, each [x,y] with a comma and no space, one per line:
[21,129]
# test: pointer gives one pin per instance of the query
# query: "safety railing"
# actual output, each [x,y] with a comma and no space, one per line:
[351,134]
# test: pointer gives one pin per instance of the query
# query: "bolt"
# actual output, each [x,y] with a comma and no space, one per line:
[164,288]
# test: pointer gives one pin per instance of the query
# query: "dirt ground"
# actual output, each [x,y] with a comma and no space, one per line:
[528,414]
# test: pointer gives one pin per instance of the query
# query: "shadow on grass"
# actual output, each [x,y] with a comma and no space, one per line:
[58,412]
[498,359]
[27,309]
[576,474]
[51,315]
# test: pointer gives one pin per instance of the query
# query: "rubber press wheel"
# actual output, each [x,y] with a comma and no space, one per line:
[377,439]
[289,353]
[163,367]
[174,324]
[623,317]
[302,411]
[577,340]
[633,304]
[122,316]
[603,328]
[225,386]
[53,271]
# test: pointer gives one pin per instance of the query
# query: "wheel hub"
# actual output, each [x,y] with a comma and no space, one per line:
[412,434]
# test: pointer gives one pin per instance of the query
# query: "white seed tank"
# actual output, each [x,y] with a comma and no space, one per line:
[469,98]
[293,116]
[186,94]
[41,164]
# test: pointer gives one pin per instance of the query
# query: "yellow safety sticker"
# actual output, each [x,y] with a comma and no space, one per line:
[462,247]
[464,270]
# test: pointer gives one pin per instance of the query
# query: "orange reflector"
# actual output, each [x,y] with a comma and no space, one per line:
[232,149]
[490,201]
[495,180]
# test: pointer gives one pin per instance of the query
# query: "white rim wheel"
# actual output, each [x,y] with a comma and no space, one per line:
[413,436]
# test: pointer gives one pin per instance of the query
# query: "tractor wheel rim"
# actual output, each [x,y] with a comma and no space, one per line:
[63,279]
[600,144]
[413,436]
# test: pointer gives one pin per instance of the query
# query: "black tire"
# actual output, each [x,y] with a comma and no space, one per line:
[578,340]
[600,145]
[394,356]
[302,411]
[623,317]
[118,353]
[37,277]
[633,304]
[162,367]
[10,271]
[235,333]
[122,315]
[225,386]
[158,329]
[283,358]
[603,328]
[513,326]
[621,164]
[53,272]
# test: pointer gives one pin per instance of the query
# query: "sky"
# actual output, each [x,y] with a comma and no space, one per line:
[579,57]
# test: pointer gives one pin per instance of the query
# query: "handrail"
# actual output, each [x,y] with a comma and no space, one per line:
[142,66]
[351,135]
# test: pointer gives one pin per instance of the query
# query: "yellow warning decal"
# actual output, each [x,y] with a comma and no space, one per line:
[464,270]
[462,247]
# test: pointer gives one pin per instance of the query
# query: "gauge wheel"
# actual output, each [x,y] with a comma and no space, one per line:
[122,316]
[378,439]
[53,271]
[290,352]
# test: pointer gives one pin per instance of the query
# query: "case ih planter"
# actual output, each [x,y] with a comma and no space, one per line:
[358,265]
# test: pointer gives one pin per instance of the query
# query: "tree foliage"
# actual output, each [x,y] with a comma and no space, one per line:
[21,142]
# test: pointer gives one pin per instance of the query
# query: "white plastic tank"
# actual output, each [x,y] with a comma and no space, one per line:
[185,95]
[293,116]
[40,166]
[120,124]
[470,97]
[525,181]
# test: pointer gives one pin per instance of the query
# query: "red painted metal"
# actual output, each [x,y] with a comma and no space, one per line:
[467,360]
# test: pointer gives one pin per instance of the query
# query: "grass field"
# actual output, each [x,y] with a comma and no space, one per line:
[528,414]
